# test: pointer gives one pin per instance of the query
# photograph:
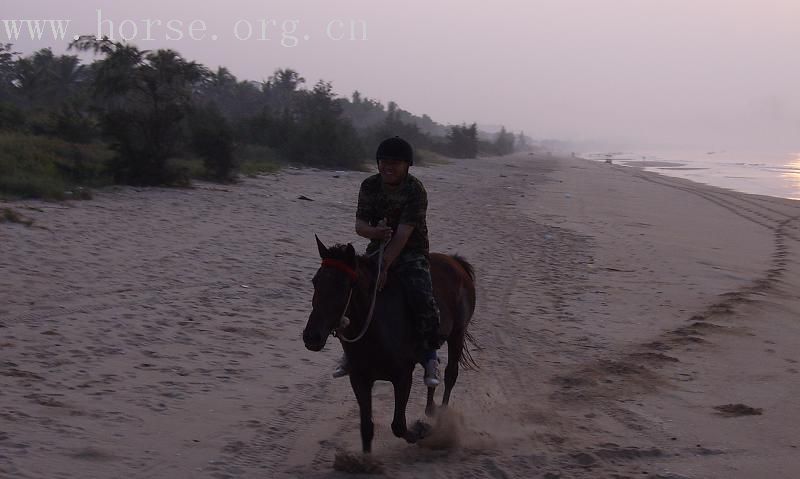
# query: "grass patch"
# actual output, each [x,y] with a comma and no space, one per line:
[429,158]
[7,215]
[186,168]
[257,160]
[39,167]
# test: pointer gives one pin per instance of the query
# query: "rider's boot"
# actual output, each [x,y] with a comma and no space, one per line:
[432,370]
[343,368]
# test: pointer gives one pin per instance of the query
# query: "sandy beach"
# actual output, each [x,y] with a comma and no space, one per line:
[628,324]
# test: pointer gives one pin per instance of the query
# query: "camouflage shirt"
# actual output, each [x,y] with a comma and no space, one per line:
[407,205]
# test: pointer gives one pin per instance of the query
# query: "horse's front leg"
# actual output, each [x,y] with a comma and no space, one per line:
[402,389]
[362,387]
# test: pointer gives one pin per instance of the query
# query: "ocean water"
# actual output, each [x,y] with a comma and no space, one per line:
[772,174]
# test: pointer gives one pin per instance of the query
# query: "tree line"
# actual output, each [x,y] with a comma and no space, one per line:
[147,117]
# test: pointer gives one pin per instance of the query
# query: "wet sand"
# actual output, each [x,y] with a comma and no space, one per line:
[628,323]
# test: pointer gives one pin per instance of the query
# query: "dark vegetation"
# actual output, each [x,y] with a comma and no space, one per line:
[156,118]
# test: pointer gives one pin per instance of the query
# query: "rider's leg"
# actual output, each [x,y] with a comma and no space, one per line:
[418,289]
[431,364]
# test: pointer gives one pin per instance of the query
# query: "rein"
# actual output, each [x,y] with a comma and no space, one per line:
[341,266]
[344,321]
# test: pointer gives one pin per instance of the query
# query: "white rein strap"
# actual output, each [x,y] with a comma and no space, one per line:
[345,321]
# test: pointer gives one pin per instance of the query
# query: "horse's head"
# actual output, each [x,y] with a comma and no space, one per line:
[333,284]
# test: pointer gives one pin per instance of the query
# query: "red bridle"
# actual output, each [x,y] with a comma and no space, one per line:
[341,266]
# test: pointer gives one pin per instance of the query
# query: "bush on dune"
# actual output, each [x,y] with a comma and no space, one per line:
[257,159]
[38,167]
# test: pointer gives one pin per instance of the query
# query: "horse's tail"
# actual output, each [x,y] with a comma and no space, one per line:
[466,360]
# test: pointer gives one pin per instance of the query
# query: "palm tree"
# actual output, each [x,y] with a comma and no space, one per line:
[6,71]
[282,87]
[143,96]
[66,76]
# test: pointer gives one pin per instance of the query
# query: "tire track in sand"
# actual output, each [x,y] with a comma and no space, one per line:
[634,367]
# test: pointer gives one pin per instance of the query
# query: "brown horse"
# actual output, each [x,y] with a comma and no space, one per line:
[343,288]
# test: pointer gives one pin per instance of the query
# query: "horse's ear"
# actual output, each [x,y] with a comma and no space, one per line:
[351,253]
[323,251]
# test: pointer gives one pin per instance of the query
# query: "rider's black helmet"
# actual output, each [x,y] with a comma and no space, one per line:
[395,148]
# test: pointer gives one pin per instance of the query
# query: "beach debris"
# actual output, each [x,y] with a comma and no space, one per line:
[304,198]
[79,193]
[737,410]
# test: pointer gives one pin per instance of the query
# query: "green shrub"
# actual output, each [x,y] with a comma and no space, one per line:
[38,167]
[257,159]
[188,165]
[11,216]
[426,157]
[11,117]
[212,140]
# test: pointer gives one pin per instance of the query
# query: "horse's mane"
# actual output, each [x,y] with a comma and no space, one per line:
[337,251]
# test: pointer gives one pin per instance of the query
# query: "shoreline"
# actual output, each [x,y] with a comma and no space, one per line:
[155,331]
[768,178]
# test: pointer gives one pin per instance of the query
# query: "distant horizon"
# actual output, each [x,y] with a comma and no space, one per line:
[684,74]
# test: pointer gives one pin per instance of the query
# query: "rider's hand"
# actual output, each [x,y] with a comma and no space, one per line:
[382,233]
[381,279]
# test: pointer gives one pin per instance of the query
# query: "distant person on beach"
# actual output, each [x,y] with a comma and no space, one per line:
[392,206]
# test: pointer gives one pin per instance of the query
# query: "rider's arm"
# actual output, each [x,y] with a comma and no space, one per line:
[364,229]
[365,211]
[396,245]
[413,214]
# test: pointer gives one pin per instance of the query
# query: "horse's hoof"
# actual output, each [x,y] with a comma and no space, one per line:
[420,430]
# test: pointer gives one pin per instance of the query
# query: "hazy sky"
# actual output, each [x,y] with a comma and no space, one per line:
[709,73]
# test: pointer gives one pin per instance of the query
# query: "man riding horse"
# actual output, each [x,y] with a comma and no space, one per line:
[391,210]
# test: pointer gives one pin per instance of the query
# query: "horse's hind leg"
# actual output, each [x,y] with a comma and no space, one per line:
[455,348]
[430,407]
[363,389]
